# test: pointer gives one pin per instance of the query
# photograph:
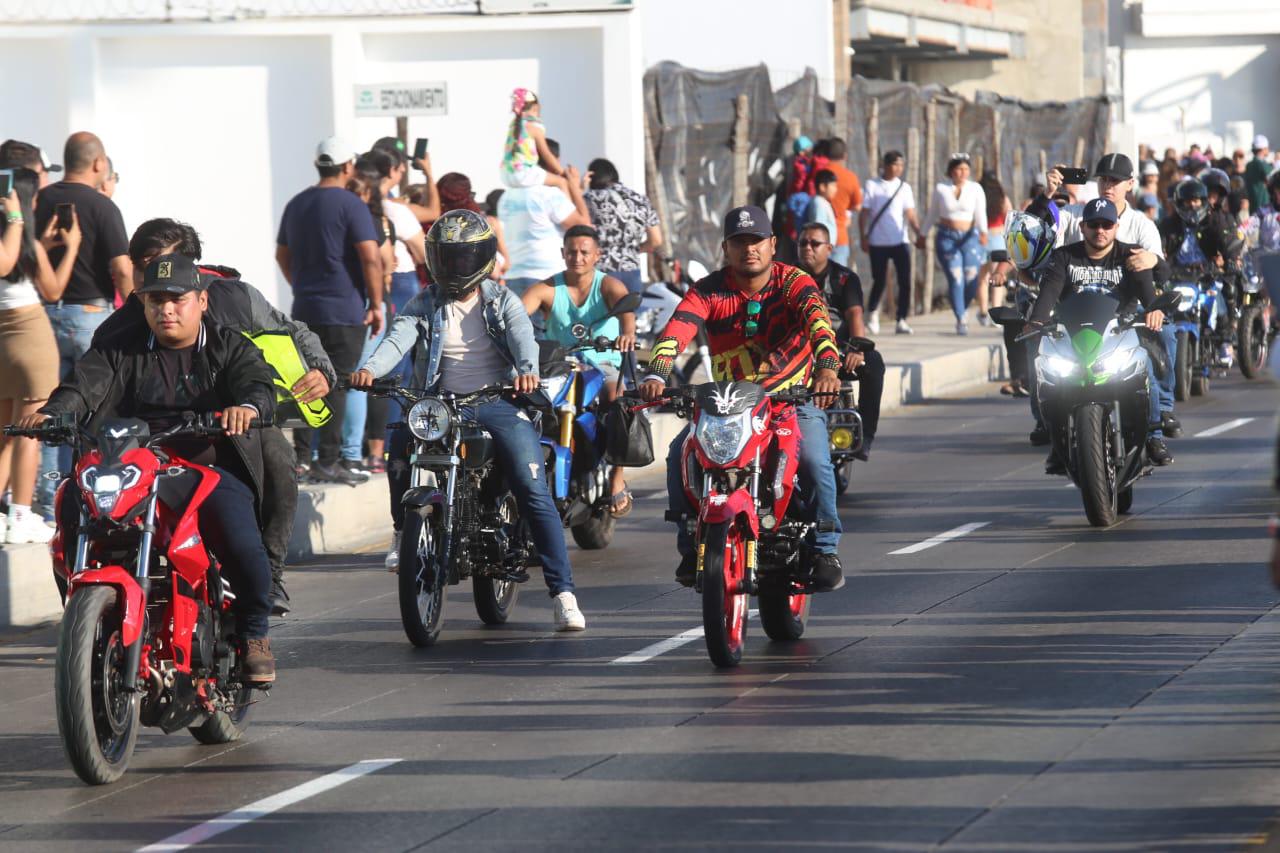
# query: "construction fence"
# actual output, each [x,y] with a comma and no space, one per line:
[718,139]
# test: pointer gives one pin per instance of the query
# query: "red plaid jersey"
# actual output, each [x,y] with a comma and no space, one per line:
[793,332]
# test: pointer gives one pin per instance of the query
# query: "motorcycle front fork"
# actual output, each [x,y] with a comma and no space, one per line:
[142,573]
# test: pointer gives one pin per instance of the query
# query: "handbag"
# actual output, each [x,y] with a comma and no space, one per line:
[628,438]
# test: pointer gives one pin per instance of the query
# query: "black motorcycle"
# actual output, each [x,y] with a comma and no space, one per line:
[461,519]
[844,421]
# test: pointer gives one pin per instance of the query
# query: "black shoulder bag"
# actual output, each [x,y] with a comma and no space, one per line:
[628,439]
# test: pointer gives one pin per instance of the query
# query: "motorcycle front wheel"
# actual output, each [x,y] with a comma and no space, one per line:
[1096,464]
[1204,364]
[421,577]
[724,603]
[1252,342]
[97,715]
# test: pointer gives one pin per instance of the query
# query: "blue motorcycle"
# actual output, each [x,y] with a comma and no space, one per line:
[573,438]
[1196,318]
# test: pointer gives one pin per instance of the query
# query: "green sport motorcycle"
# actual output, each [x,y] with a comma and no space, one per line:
[1092,373]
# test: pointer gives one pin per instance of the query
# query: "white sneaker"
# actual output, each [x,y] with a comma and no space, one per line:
[4,528]
[30,528]
[962,328]
[567,615]
[903,328]
[873,325]
[392,560]
[984,319]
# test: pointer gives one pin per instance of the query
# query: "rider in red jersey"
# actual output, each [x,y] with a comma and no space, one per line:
[767,323]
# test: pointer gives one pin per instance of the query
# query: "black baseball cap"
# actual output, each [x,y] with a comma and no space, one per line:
[176,274]
[1100,208]
[1118,167]
[748,219]
[16,153]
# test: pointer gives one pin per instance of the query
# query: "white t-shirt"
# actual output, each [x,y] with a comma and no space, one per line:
[17,294]
[1134,227]
[530,220]
[971,205]
[891,230]
[407,228]
[469,359]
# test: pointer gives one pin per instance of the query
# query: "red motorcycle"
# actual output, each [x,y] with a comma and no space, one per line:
[147,636]
[738,465]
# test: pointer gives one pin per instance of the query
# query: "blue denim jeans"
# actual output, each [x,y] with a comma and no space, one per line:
[230,527]
[1169,335]
[817,490]
[73,328]
[961,256]
[520,456]
[1153,402]
[358,402]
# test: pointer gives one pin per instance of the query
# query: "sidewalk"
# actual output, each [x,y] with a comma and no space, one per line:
[931,363]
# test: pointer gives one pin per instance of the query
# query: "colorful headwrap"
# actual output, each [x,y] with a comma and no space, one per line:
[521,98]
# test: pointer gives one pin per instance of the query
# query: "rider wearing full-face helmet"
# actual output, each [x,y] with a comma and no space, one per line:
[1029,237]
[467,332]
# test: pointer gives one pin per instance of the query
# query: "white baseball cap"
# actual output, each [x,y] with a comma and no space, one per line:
[1150,168]
[334,151]
[1260,142]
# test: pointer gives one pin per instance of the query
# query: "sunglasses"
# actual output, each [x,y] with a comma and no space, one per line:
[752,324]
[1100,224]
[960,155]
[811,244]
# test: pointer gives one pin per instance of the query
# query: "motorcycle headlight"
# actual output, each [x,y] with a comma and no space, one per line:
[722,438]
[429,419]
[1187,295]
[1061,367]
[841,438]
[105,484]
[1118,363]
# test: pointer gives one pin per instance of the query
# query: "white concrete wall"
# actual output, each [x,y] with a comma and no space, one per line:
[1182,90]
[719,35]
[217,123]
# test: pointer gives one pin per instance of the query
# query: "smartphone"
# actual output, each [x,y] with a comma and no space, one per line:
[6,182]
[998,256]
[419,150]
[64,213]
[1072,175]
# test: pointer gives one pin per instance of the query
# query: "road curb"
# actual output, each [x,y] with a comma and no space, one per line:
[338,519]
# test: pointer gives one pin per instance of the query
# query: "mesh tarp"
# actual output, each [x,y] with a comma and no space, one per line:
[691,118]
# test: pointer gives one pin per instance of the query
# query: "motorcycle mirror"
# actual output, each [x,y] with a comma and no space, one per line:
[861,344]
[626,304]
[1004,315]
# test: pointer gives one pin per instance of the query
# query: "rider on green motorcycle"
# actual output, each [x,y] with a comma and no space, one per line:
[1098,263]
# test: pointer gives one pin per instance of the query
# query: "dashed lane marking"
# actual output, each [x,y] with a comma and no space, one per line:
[934,541]
[276,802]
[669,644]
[1221,428]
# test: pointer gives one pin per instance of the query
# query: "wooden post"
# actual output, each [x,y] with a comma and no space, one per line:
[1017,166]
[402,133]
[741,148]
[1079,152]
[873,134]
[924,297]
[657,192]
[1044,160]
[953,135]
[1012,180]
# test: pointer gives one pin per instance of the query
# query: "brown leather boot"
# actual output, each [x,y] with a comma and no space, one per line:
[257,664]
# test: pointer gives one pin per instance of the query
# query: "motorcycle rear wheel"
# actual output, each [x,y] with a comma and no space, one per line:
[421,578]
[1124,500]
[1096,464]
[724,604]
[1204,364]
[844,474]
[97,717]
[222,727]
[783,615]
[1182,367]
[1252,343]
[496,599]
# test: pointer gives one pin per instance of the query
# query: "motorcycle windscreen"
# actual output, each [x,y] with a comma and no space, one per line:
[1086,310]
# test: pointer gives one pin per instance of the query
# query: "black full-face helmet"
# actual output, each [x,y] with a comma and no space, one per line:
[461,250]
[1187,190]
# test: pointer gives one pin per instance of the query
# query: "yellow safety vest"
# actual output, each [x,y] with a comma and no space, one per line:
[281,355]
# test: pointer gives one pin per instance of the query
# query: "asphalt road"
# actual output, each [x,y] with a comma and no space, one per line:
[1031,685]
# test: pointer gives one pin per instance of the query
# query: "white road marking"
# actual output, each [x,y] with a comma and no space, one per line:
[276,802]
[933,541]
[667,645]
[1221,428]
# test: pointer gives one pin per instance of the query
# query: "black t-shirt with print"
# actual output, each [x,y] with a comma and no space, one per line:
[1071,269]
[102,237]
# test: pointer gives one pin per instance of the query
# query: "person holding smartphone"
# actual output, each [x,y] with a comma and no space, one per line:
[101,273]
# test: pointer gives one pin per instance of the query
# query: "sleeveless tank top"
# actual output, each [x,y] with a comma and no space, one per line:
[565,315]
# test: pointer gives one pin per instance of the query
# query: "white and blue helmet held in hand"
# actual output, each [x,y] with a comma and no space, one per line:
[1029,237]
